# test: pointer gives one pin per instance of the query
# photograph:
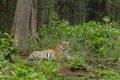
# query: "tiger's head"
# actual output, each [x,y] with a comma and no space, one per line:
[65,47]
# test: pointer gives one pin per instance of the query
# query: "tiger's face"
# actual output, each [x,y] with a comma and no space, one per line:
[65,46]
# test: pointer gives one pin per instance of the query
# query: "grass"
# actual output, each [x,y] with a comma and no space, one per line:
[100,66]
[94,49]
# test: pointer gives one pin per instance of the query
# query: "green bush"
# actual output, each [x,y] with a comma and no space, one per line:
[107,74]
[77,64]
[51,70]
[60,31]
[98,38]
[6,44]
[46,70]
[18,71]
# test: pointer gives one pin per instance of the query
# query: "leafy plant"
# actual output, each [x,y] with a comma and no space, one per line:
[95,35]
[107,74]
[23,72]
[18,71]
[51,70]
[106,19]
[98,37]
[6,44]
[77,64]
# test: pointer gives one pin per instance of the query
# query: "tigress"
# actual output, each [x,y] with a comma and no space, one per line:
[60,51]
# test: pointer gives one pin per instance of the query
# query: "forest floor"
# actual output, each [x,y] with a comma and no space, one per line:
[96,72]
[74,74]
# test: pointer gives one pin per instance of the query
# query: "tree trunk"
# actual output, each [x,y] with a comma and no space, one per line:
[105,8]
[33,17]
[25,20]
[34,20]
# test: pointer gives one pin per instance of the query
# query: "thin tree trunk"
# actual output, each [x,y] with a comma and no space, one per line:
[105,8]
[34,20]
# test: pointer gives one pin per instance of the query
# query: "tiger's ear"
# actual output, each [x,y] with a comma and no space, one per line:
[65,42]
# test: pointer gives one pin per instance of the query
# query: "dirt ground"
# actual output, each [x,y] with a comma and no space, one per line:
[83,74]
[68,72]
[74,74]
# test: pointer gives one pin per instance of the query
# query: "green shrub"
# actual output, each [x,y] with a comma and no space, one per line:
[107,74]
[18,71]
[51,70]
[96,37]
[6,44]
[46,70]
[59,31]
[77,64]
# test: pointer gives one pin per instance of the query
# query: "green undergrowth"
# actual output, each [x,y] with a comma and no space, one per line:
[77,64]
[92,46]
[44,70]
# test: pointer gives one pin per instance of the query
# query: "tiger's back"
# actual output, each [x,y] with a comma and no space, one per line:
[59,51]
[45,54]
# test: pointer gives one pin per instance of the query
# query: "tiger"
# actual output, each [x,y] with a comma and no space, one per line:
[59,52]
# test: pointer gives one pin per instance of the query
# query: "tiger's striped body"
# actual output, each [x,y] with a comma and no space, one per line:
[58,52]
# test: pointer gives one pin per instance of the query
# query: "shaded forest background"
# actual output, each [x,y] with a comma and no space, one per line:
[91,26]
[73,11]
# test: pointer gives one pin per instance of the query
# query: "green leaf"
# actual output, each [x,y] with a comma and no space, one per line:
[106,19]
[2,76]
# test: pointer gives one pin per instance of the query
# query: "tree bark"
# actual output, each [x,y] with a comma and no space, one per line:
[34,20]
[105,8]
[25,21]
[33,17]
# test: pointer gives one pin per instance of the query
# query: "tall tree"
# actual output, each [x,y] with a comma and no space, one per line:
[73,11]
[105,8]
[94,10]
[25,20]
[114,10]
